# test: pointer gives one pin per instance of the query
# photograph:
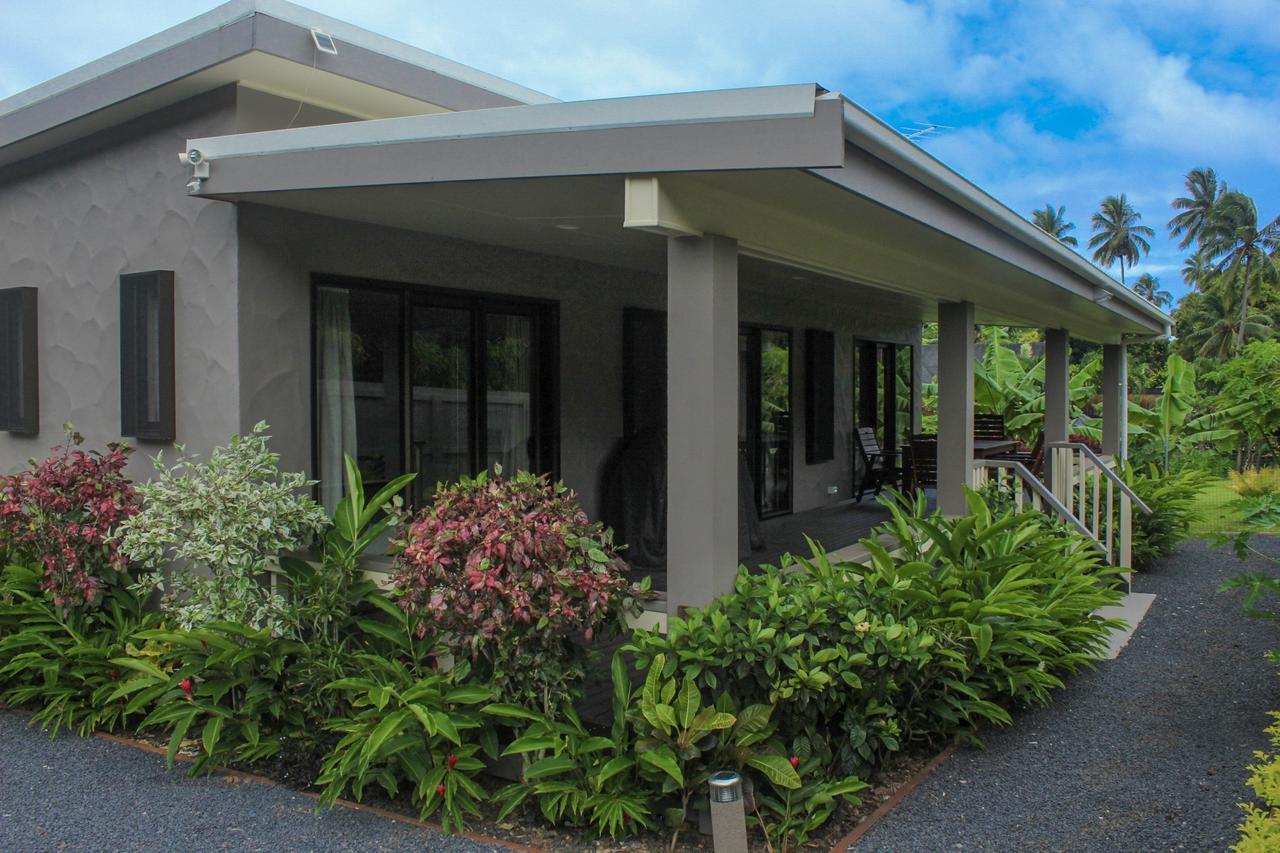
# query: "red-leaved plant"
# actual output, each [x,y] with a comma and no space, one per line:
[512,575]
[60,513]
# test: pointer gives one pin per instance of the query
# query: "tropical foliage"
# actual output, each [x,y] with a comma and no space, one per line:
[1055,224]
[1119,234]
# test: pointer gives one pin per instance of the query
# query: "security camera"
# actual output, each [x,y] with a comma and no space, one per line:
[194,157]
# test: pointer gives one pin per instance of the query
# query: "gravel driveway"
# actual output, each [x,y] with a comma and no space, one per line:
[1147,753]
[90,794]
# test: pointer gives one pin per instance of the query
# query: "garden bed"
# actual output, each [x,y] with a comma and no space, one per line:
[296,766]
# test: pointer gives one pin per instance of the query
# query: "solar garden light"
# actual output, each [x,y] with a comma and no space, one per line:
[728,815]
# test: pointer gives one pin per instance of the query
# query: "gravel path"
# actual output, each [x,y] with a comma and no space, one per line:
[1147,753]
[90,794]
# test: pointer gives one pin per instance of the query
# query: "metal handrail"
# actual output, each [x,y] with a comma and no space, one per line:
[1045,495]
[1106,469]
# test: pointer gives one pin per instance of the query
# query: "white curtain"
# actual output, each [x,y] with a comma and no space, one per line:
[337,393]
[510,412]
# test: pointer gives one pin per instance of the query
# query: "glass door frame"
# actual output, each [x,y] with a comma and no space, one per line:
[755,412]
[544,372]
[865,411]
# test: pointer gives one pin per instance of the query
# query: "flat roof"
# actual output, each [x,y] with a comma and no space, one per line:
[799,127]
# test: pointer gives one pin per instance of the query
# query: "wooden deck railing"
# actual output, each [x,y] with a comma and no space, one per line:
[1084,490]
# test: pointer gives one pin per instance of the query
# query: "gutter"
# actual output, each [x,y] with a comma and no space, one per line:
[879,139]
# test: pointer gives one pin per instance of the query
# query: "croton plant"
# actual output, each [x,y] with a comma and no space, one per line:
[513,574]
[60,513]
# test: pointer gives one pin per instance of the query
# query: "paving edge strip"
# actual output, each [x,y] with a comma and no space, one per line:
[899,794]
[241,777]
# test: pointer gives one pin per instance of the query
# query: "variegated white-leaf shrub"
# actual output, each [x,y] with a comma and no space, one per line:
[208,530]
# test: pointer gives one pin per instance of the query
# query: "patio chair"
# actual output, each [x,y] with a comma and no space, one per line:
[989,427]
[878,466]
[924,461]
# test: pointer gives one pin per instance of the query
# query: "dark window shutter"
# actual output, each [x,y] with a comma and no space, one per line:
[19,362]
[146,356]
[819,396]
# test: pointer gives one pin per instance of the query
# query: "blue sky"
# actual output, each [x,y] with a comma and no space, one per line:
[1050,101]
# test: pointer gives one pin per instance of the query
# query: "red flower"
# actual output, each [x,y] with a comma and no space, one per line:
[795,762]
[453,760]
[185,684]
[440,789]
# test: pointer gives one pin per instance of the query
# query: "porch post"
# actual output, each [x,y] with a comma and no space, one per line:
[1057,399]
[955,405]
[1115,400]
[702,419]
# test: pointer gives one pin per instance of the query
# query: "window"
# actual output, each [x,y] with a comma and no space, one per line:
[19,367]
[437,383]
[764,414]
[146,356]
[820,389]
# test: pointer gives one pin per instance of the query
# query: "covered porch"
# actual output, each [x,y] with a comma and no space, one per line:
[786,208]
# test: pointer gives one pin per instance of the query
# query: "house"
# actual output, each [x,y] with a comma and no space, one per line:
[267,214]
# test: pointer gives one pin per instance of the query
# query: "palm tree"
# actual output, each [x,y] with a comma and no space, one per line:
[1148,287]
[1219,333]
[1203,192]
[1240,249]
[1117,234]
[1055,224]
[1197,270]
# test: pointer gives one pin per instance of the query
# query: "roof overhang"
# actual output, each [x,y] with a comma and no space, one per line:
[261,44]
[796,175]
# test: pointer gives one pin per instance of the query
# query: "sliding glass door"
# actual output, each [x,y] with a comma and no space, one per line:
[884,391]
[441,384]
[764,415]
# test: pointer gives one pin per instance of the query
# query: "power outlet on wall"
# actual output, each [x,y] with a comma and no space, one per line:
[833,490]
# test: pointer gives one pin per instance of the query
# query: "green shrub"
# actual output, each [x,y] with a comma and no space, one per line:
[1172,500]
[577,778]
[1260,831]
[954,620]
[224,682]
[410,728]
[63,662]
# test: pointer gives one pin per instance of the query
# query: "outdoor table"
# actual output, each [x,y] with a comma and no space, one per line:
[985,448]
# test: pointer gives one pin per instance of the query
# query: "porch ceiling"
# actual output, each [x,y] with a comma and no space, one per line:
[805,235]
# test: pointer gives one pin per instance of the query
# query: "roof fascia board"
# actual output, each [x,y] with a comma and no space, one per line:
[877,138]
[774,102]
[350,35]
[128,81]
[237,28]
[139,52]
[458,150]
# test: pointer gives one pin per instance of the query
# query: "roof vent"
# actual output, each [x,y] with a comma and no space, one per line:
[324,41]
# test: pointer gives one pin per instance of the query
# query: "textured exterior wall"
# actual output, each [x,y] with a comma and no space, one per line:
[280,250]
[71,222]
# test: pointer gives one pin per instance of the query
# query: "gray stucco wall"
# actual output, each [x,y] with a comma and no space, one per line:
[73,219]
[71,222]
[280,250]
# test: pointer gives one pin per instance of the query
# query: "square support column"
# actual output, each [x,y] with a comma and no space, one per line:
[1057,395]
[702,419]
[955,405]
[1115,400]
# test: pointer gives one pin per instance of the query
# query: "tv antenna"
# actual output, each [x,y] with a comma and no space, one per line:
[921,129]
